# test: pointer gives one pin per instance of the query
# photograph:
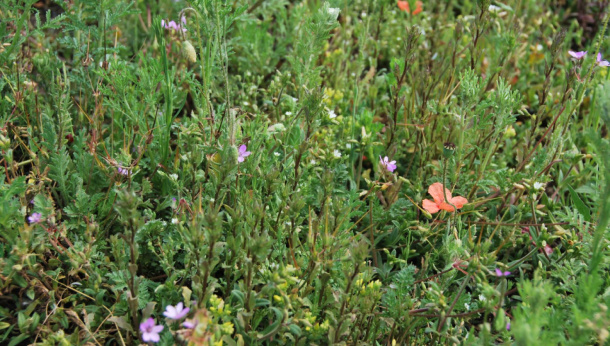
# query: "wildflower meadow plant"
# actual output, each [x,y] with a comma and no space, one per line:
[500,273]
[211,172]
[35,218]
[243,153]
[600,62]
[390,166]
[443,200]
[150,331]
[176,312]
[577,55]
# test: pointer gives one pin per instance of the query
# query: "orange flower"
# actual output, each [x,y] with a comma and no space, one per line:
[404,6]
[436,191]
[418,7]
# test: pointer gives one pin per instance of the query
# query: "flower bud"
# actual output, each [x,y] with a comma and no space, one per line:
[189,51]
[5,142]
[448,149]
[233,155]
[427,215]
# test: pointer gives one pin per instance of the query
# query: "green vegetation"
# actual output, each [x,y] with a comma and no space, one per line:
[304,172]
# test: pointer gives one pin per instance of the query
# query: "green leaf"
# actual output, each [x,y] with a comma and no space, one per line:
[18,339]
[275,326]
[121,323]
[580,205]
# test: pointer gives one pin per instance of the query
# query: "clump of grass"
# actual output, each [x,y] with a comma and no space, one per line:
[379,172]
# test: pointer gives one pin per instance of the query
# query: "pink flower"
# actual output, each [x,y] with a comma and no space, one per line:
[243,153]
[150,331]
[387,164]
[500,273]
[436,191]
[577,55]
[600,62]
[548,249]
[35,218]
[173,25]
[190,324]
[123,171]
[177,312]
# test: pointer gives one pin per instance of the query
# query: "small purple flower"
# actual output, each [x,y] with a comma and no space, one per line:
[190,324]
[35,218]
[172,25]
[508,325]
[150,331]
[600,62]
[577,55]
[243,153]
[177,312]
[500,273]
[123,171]
[387,164]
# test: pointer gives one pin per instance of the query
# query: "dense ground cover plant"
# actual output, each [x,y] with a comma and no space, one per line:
[307,172]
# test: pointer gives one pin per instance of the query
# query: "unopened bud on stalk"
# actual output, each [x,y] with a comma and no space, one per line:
[233,155]
[448,149]
[427,215]
[5,143]
[189,51]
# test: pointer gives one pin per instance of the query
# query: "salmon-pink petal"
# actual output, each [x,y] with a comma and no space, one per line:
[459,201]
[436,191]
[404,6]
[430,206]
[446,206]
[418,7]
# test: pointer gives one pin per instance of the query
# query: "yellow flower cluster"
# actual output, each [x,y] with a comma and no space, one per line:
[370,288]
[217,307]
[331,96]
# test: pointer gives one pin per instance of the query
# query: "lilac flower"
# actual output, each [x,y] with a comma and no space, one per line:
[150,331]
[173,25]
[243,153]
[177,312]
[508,325]
[190,324]
[600,62]
[577,55]
[35,218]
[123,171]
[500,273]
[389,165]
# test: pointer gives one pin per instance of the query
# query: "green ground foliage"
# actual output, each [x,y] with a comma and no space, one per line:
[304,172]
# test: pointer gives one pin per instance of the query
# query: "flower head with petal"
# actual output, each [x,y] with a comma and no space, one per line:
[501,273]
[600,62]
[438,192]
[387,164]
[176,312]
[35,218]
[150,330]
[243,153]
[577,55]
